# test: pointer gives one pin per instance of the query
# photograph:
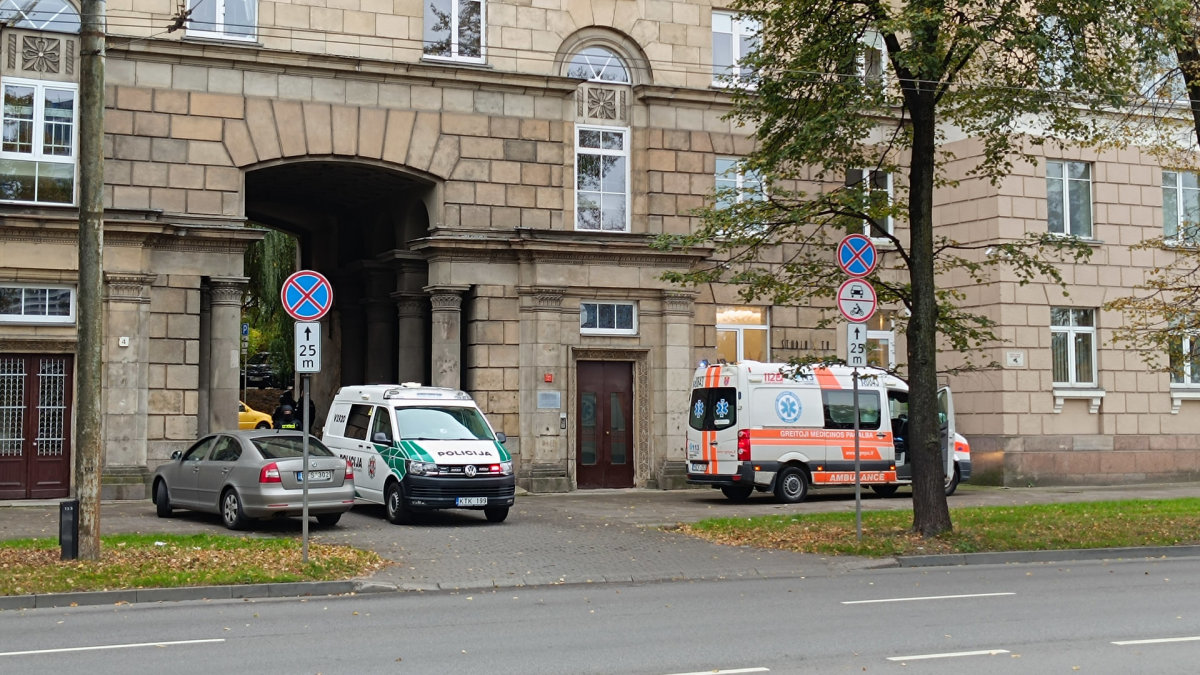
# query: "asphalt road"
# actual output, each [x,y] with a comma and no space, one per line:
[1129,616]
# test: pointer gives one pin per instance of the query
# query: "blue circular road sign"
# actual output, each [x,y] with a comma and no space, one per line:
[856,255]
[306,295]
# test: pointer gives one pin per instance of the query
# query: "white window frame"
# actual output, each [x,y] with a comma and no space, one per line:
[38,152]
[738,29]
[1067,187]
[632,329]
[1071,331]
[601,62]
[872,43]
[1177,195]
[867,176]
[25,318]
[740,329]
[748,185]
[220,23]
[601,193]
[455,50]
[1189,377]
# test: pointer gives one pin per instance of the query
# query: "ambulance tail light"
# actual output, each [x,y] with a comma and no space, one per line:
[743,446]
[269,474]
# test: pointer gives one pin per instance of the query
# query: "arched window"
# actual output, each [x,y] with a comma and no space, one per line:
[598,64]
[49,15]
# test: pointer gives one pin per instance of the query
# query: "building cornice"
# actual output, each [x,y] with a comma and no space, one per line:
[550,246]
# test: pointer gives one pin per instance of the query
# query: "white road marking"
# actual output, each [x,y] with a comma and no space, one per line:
[1156,641]
[948,655]
[726,671]
[124,646]
[927,597]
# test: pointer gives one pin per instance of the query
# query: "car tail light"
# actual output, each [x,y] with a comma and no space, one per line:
[743,445]
[269,474]
[349,470]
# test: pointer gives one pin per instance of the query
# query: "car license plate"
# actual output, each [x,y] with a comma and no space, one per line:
[698,467]
[317,476]
[470,501]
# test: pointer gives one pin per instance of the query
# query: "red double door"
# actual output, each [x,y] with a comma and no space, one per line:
[604,427]
[35,425]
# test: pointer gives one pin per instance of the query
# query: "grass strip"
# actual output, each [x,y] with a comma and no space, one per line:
[32,566]
[1035,527]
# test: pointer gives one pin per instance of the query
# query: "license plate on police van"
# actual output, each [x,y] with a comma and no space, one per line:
[316,475]
[470,501]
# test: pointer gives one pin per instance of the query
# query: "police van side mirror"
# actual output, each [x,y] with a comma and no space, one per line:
[381,437]
[501,438]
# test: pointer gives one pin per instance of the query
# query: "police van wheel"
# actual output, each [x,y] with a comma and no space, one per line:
[791,485]
[496,515]
[952,482]
[231,510]
[162,501]
[393,504]
[737,493]
[885,490]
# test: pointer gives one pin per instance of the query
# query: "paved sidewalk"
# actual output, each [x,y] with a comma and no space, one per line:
[575,538]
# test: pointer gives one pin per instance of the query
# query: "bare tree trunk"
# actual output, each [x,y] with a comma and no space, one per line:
[931,515]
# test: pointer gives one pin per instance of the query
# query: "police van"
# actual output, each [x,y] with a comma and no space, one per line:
[772,427]
[416,448]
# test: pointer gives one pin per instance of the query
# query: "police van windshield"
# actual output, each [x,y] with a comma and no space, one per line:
[713,409]
[450,423]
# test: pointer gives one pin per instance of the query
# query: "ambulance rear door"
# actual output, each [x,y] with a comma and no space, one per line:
[946,428]
[713,424]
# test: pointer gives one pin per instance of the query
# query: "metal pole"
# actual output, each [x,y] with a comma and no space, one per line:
[304,517]
[89,396]
[857,466]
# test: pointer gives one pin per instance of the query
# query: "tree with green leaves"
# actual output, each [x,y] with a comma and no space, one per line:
[268,263]
[836,91]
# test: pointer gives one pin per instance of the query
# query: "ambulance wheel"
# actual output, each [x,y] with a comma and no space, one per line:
[791,485]
[737,493]
[497,514]
[393,504]
[885,490]
[952,482]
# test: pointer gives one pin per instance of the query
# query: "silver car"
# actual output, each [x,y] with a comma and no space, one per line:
[254,474]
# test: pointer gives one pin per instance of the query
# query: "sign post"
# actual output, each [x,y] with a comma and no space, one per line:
[306,296]
[245,363]
[857,301]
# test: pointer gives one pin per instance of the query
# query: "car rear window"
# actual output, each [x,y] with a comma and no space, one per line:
[285,447]
[713,409]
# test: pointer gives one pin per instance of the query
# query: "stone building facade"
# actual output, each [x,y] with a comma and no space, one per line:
[480,180]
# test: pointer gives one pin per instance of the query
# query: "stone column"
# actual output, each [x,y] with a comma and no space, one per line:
[381,328]
[410,362]
[678,317]
[205,333]
[446,334]
[126,384]
[542,352]
[225,294]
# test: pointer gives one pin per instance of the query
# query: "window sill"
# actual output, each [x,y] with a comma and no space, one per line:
[1096,396]
[1181,394]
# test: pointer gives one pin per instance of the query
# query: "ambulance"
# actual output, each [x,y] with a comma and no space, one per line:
[417,448]
[771,427]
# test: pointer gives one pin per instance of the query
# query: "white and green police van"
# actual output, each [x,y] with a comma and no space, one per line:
[416,448]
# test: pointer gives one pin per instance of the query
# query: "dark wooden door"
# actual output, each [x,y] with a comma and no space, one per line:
[35,425]
[604,426]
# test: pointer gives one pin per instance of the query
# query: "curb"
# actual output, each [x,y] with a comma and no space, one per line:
[299,589]
[1058,555]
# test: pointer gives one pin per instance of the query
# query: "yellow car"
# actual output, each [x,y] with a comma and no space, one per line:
[249,418]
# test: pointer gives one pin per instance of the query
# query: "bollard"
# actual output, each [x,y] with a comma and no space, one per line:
[68,529]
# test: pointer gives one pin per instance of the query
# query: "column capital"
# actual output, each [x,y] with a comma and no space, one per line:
[678,302]
[129,288]
[548,296]
[446,298]
[410,305]
[226,290]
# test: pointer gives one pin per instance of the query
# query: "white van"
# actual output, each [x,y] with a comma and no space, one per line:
[772,427]
[417,448]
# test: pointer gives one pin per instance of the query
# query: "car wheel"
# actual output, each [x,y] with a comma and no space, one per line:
[952,482]
[497,514]
[737,493]
[328,519]
[393,504]
[162,501]
[791,485]
[263,425]
[885,490]
[231,510]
